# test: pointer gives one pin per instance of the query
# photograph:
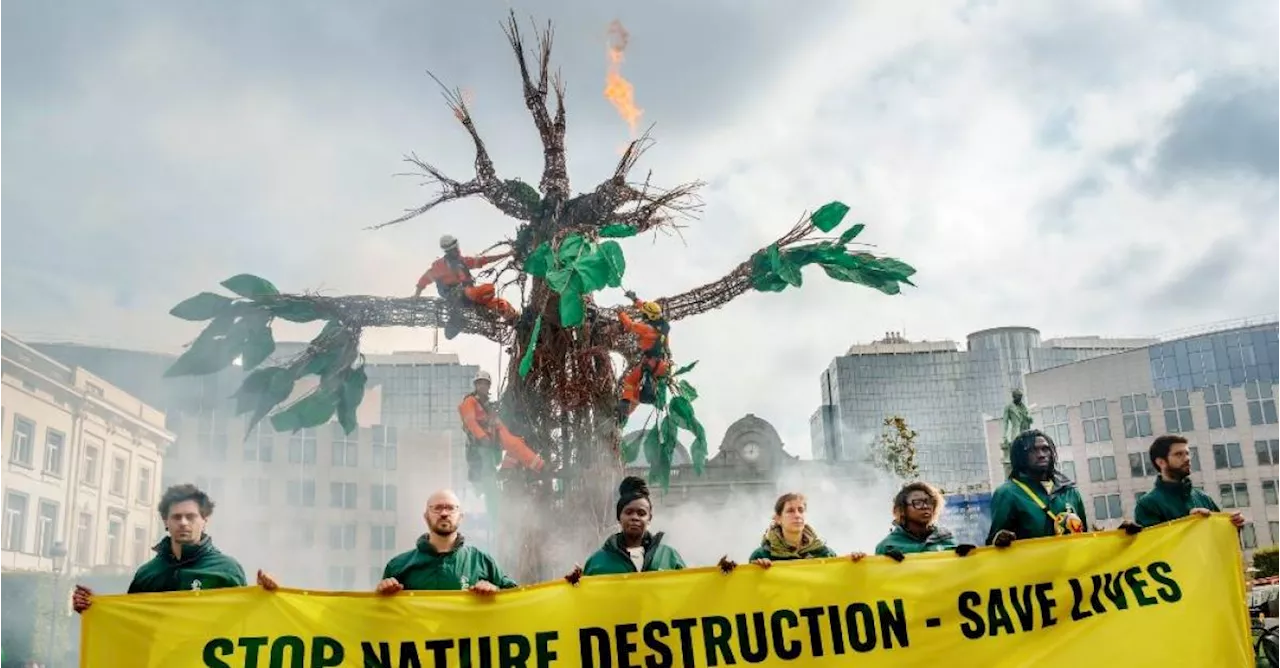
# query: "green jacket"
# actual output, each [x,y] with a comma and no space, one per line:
[1012,509]
[775,548]
[612,557]
[424,569]
[201,566]
[940,539]
[1169,501]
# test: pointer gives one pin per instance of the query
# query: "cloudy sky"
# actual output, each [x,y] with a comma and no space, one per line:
[1100,166]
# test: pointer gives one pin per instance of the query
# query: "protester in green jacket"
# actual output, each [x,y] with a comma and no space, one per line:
[915,509]
[788,537]
[441,560]
[1038,500]
[633,549]
[186,559]
[1173,497]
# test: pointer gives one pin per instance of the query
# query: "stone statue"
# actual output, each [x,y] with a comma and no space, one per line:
[1017,419]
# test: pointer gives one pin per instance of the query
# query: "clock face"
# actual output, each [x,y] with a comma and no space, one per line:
[751,452]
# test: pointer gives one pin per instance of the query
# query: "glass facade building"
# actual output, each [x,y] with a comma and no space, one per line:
[942,392]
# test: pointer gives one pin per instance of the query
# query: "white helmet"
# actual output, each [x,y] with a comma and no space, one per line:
[448,242]
[482,375]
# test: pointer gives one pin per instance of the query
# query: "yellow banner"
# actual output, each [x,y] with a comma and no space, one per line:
[1171,596]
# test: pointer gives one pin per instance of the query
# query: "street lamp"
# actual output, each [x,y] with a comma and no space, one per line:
[58,554]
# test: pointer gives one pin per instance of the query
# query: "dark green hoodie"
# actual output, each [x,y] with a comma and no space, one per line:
[1169,501]
[425,569]
[613,559]
[1012,509]
[939,539]
[201,566]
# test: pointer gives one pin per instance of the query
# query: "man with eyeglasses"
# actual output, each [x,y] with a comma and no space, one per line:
[442,561]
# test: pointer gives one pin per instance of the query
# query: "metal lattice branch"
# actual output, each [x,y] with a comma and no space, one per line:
[555,173]
[365,311]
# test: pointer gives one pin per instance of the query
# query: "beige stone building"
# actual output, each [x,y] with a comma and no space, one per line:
[1218,389]
[83,466]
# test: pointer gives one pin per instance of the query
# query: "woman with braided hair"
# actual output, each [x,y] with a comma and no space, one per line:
[633,549]
[788,537]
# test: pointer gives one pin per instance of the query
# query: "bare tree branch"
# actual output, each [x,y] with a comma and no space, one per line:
[555,174]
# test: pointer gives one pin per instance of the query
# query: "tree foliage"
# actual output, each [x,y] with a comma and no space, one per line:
[894,451]
[1267,561]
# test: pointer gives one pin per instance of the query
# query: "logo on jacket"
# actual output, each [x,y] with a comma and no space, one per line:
[464,584]
[195,585]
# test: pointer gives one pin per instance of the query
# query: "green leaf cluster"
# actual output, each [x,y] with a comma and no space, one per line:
[659,443]
[576,268]
[774,269]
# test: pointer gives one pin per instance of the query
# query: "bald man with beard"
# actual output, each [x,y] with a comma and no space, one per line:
[442,561]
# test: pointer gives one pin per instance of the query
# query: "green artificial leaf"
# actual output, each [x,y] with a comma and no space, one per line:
[617,262]
[540,261]
[212,351]
[278,387]
[259,384]
[698,450]
[558,279]
[312,410]
[250,286]
[618,231]
[783,268]
[258,344]
[829,216]
[652,446]
[204,306]
[349,398]
[570,247]
[631,448]
[571,309]
[523,193]
[850,233]
[593,270]
[686,368]
[660,394]
[295,310]
[526,362]
[686,390]
[681,411]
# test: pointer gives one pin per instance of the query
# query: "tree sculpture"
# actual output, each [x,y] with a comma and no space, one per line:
[563,386]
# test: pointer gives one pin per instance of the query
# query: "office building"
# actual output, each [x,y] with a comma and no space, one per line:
[1217,388]
[83,469]
[941,391]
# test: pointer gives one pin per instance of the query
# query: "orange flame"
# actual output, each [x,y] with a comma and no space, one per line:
[617,90]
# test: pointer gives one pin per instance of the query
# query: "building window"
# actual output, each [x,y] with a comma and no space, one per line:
[211,435]
[1227,456]
[1053,420]
[21,446]
[210,486]
[302,447]
[1269,492]
[119,474]
[1102,469]
[382,538]
[1275,532]
[1107,507]
[384,497]
[1137,421]
[84,539]
[1218,408]
[140,545]
[301,493]
[1268,452]
[144,485]
[342,495]
[1195,458]
[1177,411]
[54,445]
[342,578]
[346,450]
[1248,536]
[15,521]
[1068,469]
[89,472]
[1262,402]
[260,446]
[1234,495]
[46,527]
[1093,416]
[384,448]
[342,537]
[115,539]
[305,535]
[256,490]
[1140,466]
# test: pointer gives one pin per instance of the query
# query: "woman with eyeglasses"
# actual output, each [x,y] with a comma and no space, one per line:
[915,512]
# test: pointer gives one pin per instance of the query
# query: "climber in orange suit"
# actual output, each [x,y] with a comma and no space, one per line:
[451,275]
[484,429]
[640,383]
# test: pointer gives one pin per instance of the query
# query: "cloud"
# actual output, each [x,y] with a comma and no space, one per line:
[1080,168]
